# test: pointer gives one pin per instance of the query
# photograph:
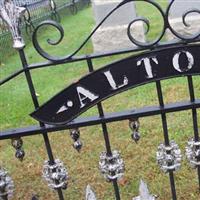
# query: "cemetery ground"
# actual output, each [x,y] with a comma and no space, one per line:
[140,159]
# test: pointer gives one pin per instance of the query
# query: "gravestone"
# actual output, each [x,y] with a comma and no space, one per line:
[177,10]
[112,34]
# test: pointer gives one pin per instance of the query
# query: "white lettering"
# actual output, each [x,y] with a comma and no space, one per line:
[112,81]
[176,61]
[147,65]
[84,94]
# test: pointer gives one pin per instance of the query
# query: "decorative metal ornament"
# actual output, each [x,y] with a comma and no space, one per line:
[11,14]
[111,166]
[90,195]
[144,192]
[169,157]
[17,143]
[134,125]
[20,153]
[192,152]
[35,197]
[56,175]
[6,185]
[75,135]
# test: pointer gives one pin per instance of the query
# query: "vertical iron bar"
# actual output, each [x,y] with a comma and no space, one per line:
[166,136]
[194,117]
[105,134]
[36,105]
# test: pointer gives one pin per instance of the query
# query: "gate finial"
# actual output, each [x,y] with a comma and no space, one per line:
[90,195]
[144,192]
[11,14]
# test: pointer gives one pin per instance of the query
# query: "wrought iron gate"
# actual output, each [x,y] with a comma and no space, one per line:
[158,61]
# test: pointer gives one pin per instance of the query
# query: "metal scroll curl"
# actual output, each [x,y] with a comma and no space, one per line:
[44,54]
[185,23]
[36,44]
[147,23]
[140,44]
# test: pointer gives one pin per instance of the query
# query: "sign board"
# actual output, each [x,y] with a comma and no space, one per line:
[117,77]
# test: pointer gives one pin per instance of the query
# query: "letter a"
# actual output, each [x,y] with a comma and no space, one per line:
[84,94]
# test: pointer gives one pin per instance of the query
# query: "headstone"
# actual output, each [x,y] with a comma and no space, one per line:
[177,10]
[112,35]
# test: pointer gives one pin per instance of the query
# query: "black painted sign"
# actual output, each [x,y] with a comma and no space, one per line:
[118,77]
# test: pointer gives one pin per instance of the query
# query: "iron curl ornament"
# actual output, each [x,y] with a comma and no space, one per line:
[185,23]
[165,16]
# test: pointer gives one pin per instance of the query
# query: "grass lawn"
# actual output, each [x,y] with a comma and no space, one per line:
[15,106]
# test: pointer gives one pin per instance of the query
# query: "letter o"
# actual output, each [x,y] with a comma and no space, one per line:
[176,61]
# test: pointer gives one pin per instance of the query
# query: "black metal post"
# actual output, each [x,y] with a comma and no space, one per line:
[194,117]
[105,134]
[36,105]
[166,136]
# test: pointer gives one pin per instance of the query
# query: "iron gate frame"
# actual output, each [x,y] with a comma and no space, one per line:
[162,109]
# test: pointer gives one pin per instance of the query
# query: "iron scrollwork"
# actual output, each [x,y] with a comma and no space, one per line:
[185,23]
[147,44]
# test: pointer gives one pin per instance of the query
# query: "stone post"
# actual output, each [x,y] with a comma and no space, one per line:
[112,35]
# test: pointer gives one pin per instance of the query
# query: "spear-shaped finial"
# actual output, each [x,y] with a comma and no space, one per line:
[90,195]
[144,192]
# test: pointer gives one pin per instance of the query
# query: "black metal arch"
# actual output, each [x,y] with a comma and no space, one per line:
[115,78]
